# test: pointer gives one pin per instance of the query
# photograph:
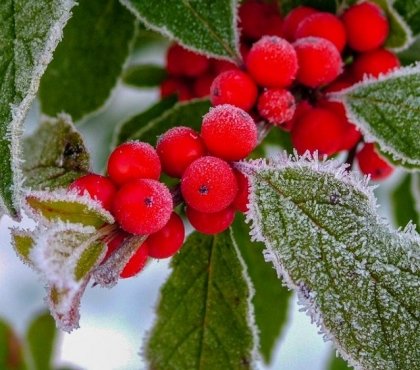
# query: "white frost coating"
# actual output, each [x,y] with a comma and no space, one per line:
[251,311]
[24,233]
[19,112]
[167,33]
[408,32]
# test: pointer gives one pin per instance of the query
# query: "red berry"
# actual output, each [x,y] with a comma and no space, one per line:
[292,20]
[229,132]
[209,184]
[168,240]
[324,25]
[242,198]
[142,206]
[318,129]
[366,26]
[274,25]
[211,223]
[319,61]
[133,160]
[219,66]
[136,263]
[302,107]
[98,187]
[341,83]
[371,163]
[201,86]
[178,148]
[175,86]
[272,62]
[115,242]
[234,87]
[373,63]
[182,62]
[277,106]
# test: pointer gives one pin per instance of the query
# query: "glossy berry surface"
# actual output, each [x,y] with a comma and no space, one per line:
[373,63]
[242,198]
[209,184]
[182,62]
[133,160]
[234,87]
[229,132]
[272,62]
[366,26]
[277,106]
[293,19]
[319,61]
[318,129]
[99,188]
[136,263]
[211,223]
[371,163]
[168,240]
[178,148]
[142,206]
[324,25]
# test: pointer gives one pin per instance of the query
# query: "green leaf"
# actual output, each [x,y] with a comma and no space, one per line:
[89,60]
[206,26]
[29,33]
[410,55]
[67,207]
[188,114]
[386,111]
[410,11]
[126,129]
[357,278]
[41,336]
[55,155]
[144,75]
[271,299]
[23,242]
[337,363]
[11,351]
[204,312]
[406,201]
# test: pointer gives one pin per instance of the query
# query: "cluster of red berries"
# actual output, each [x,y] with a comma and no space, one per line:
[211,189]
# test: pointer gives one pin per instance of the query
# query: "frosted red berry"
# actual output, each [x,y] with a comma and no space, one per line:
[318,129]
[178,148]
[234,87]
[319,61]
[182,62]
[142,206]
[99,188]
[242,198]
[175,86]
[168,240]
[211,223]
[272,62]
[292,20]
[366,26]
[209,184]
[371,163]
[277,106]
[136,263]
[324,25]
[229,132]
[373,63]
[133,160]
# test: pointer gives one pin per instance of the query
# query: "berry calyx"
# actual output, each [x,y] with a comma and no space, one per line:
[168,240]
[178,148]
[373,63]
[99,188]
[272,62]
[209,184]
[228,124]
[242,198]
[182,62]
[292,20]
[211,223]
[136,263]
[371,163]
[277,106]
[142,206]
[234,87]
[133,160]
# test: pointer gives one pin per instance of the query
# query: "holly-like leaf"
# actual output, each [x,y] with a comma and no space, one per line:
[89,60]
[410,12]
[41,336]
[269,317]
[29,33]
[23,242]
[55,155]
[206,26]
[204,313]
[406,201]
[357,278]
[144,75]
[11,351]
[410,55]
[386,111]
[67,207]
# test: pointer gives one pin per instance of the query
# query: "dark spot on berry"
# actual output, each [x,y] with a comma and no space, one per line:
[216,92]
[148,202]
[203,190]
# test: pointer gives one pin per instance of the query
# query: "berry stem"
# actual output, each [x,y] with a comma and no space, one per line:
[351,156]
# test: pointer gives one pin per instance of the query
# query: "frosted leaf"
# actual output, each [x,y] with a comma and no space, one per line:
[386,111]
[66,206]
[23,242]
[29,33]
[357,278]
